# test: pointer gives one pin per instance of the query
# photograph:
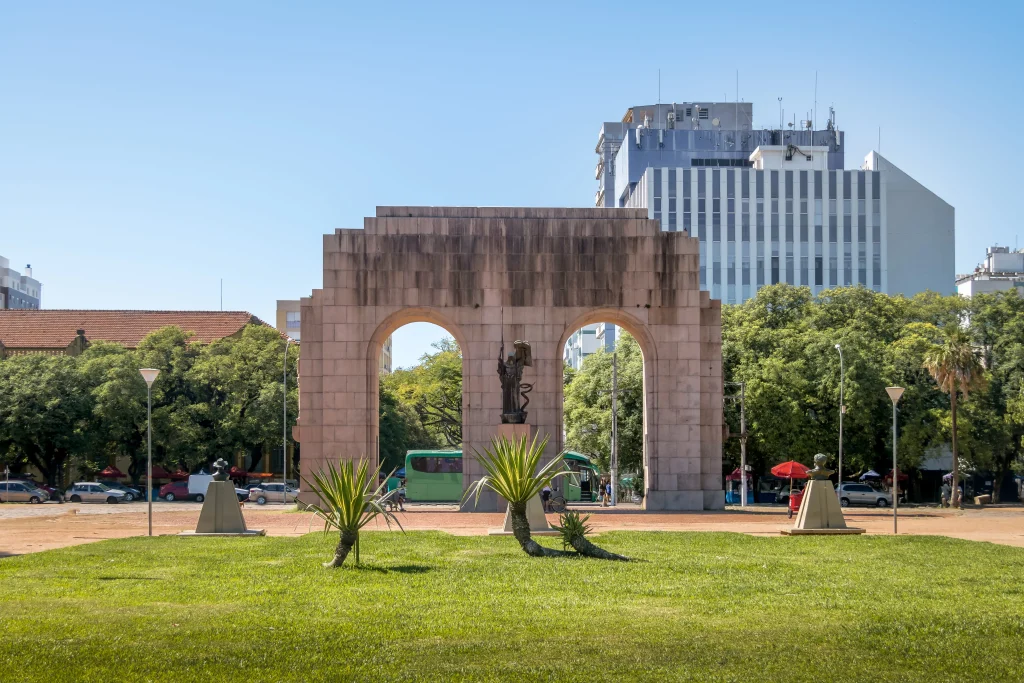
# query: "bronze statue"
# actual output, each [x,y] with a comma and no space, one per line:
[220,470]
[510,371]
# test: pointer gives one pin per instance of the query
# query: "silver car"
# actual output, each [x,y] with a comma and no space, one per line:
[21,492]
[862,494]
[272,493]
[92,492]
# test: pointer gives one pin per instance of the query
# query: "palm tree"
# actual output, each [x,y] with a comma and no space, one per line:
[348,502]
[512,473]
[956,369]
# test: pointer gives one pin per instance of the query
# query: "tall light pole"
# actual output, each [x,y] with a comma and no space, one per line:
[894,394]
[743,440]
[615,429]
[842,411]
[149,374]
[284,440]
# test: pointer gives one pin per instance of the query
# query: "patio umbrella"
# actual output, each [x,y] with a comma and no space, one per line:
[949,477]
[160,473]
[900,473]
[870,474]
[237,473]
[791,470]
[180,474]
[111,472]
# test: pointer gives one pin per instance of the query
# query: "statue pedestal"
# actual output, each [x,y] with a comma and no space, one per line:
[221,514]
[535,508]
[820,512]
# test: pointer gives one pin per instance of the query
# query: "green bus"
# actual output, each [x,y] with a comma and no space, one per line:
[436,476]
[433,476]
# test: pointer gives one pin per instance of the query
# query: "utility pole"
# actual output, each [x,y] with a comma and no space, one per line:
[615,428]
[743,439]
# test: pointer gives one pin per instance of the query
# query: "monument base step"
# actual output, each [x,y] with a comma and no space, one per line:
[502,532]
[821,532]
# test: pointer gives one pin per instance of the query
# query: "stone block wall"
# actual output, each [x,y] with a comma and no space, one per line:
[522,273]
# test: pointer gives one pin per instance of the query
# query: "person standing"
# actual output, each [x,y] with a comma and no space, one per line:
[545,496]
[946,491]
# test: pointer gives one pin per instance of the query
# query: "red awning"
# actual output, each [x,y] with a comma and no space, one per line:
[736,475]
[790,470]
[902,475]
[112,472]
[237,473]
[160,473]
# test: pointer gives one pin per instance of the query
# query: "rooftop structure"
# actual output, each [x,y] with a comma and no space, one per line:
[18,290]
[1002,270]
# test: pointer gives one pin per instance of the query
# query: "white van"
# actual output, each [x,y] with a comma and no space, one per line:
[198,483]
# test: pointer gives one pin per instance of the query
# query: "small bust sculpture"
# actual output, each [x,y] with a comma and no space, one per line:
[820,471]
[220,470]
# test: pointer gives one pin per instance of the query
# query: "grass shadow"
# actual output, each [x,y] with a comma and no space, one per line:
[129,578]
[397,569]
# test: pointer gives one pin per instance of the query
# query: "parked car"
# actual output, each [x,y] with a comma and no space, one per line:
[21,492]
[93,492]
[272,493]
[51,493]
[130,493]
[178,490]
[243,494]
[862,494]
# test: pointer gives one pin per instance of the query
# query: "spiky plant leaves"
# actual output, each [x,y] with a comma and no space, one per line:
[348,502]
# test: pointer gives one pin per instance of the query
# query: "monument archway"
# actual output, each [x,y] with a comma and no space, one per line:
[487,274]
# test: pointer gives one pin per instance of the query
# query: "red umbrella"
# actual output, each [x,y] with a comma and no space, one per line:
[180,474]
[160,473]
[790,470]
[237,473]
[736,475]
[902,475]
[112,472]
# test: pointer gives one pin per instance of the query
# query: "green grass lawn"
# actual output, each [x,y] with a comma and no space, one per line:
[429,606]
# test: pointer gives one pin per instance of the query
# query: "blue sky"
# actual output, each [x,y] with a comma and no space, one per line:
[149,149]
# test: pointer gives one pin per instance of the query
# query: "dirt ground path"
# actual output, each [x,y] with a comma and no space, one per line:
[31,528]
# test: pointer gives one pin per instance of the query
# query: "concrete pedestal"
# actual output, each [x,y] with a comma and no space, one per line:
[221,514]
[820,512]
[535,508]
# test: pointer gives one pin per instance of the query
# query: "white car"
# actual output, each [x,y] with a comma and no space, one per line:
[272,493]
[862,494]
[93,492]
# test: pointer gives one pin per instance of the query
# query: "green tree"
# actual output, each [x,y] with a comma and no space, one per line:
[433,388]
[587,406]
[400,431]
[956,370]
[236,404]
[45,408]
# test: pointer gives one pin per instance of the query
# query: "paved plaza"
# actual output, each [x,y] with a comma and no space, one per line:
[31,528]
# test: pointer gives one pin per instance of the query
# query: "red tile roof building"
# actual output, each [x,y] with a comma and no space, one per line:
[62,332]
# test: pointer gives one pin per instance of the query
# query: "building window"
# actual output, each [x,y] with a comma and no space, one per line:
[702,113]
[818,274]
[775,270]
[657,194]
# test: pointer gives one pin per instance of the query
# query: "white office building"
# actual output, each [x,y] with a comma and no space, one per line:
[1002,270]
[587,341]
[783,211]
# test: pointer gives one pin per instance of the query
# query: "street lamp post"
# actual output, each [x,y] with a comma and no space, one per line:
[149,374]
[743,440]
[284,440]
[894,394]
[842,411]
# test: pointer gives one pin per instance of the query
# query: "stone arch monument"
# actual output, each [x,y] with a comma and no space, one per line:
[485,274]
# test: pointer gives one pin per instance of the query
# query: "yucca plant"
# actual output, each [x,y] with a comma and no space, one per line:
[348,502]
[513,471]
[574,530]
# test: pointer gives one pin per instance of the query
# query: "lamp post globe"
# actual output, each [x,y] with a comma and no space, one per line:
[894,393]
